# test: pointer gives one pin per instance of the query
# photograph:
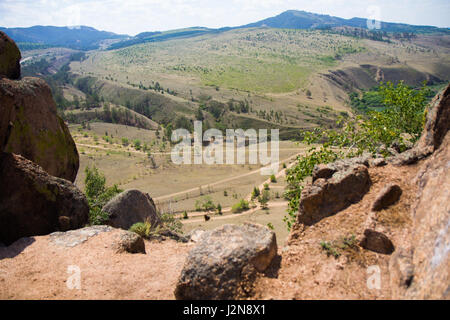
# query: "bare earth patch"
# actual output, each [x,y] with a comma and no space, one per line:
[36,268]
[305,271]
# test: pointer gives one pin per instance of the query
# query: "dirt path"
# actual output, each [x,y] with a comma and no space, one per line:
[248,198]
[279,174]
[231,216]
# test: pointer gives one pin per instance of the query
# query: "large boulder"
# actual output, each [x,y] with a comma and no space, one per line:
[130,207]
[9,58]
[30,126]
[32,202]
[325,197]
[222,263]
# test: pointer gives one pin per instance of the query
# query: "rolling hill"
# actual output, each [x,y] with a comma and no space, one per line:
[79,38]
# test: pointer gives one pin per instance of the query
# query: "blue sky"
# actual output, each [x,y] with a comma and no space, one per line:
[134,16]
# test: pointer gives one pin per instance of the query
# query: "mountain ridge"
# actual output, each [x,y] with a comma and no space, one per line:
[88,38]
[78,37]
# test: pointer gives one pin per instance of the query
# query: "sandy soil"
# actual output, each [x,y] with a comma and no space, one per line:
[35,268]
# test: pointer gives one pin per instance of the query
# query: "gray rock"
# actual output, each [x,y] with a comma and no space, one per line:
[74,238]
[411,156]
[326,171]
[322,171]
[378,162]
[324,198]
[195,235]
[377,242]
[173,235]
[221,265]
[130,242]
[387,197]
[130,207]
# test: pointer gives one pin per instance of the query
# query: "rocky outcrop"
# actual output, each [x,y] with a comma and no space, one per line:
[74,238]
[130,207]
[325,197]
[123,241]
[9,58]
[420,268]
[438,119]
[430,238]
[32,201]
[326,171]
[222,263]
[37,132]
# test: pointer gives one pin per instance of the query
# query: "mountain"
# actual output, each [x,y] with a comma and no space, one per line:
[158,36]
[293,19]
[79,38]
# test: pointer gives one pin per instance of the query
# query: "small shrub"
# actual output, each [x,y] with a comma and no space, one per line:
[241,206]
[273,179]
[330,249]
[97,195]
[185,215]
[142,228]
[219,209]
[264,199]
[170,222]
[255,193]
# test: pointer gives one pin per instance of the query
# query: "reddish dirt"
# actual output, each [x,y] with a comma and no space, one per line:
[304,271]
[38,269]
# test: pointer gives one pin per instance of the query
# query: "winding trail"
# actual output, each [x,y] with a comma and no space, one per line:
[279,174]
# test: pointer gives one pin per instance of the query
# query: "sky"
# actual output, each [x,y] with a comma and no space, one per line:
[134,16]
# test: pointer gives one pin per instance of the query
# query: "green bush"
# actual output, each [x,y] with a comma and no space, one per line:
[137,144]
[264,199]
[273,179]
[98,195]
[241,206]
[142,228]
[373,133]
[205,204]
[255,193]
